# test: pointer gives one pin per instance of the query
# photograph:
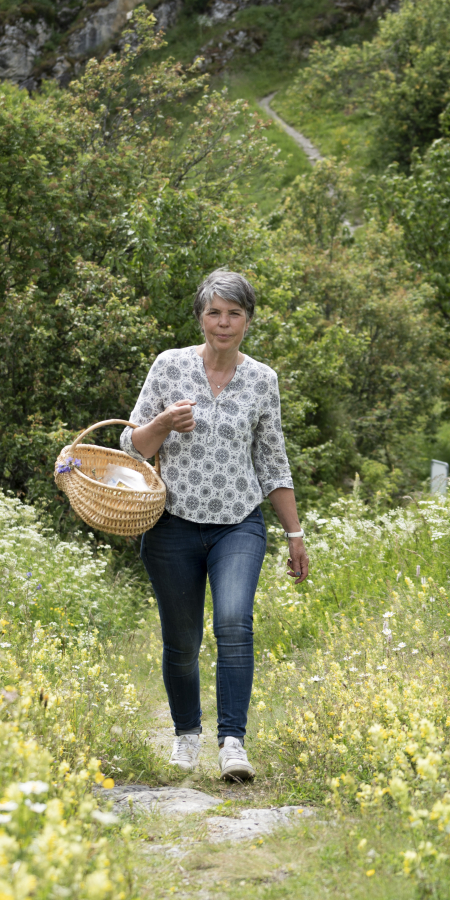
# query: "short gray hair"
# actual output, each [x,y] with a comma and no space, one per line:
[228,286]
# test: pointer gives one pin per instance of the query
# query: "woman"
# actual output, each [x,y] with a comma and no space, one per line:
[209,409]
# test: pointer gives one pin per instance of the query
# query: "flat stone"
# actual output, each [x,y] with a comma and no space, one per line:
[169,800]
[254,822]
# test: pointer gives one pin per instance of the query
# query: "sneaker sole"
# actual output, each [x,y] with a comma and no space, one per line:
[238,772]
[186,767]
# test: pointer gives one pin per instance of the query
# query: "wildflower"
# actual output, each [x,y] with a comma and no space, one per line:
[5,644]
[105,818]
[33,787]
[28,574]
[381,668]
[316,678]
[353,669]
[416,651]
[387,615]
[401,645]
[36,807]
[108,783]
[370,872]
[432,599]
[8,806]
[4,817]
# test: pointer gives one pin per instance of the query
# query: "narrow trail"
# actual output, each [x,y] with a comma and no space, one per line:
[307,146]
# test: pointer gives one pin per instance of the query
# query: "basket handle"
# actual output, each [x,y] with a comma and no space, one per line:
[111,422]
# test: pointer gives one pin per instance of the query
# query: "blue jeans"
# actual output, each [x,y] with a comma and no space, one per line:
[178,556]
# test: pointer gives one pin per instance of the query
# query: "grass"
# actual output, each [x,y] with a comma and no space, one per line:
[342,134]
[349,716]
[283,32]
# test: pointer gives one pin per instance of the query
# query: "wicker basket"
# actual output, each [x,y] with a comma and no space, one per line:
[110,509]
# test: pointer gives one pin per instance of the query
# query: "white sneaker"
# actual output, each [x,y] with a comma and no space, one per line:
[186,750]
[233,761]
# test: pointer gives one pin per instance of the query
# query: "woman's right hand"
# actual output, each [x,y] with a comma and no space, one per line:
[179,417]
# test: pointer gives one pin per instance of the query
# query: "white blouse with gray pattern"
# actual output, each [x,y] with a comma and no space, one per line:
[209,472]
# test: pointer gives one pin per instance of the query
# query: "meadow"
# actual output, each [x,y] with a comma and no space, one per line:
[349,716]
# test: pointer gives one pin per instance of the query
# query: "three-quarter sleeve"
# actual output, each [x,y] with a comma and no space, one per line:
[269,451]
[149,404]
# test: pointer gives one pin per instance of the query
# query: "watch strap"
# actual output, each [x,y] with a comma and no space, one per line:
[292,534]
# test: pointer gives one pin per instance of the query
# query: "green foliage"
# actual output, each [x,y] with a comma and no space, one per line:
[401,77]
[347,328]
[419,204]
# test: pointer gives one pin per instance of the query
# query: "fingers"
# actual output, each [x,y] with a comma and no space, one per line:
[298,565]
[181,416]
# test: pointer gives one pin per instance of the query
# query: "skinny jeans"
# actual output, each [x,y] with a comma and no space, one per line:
[179,555]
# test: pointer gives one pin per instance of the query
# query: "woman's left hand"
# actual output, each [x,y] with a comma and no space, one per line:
[298,560]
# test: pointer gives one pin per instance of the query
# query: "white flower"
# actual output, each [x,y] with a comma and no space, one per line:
[36,807]
[316,678]
[5,644]
[5,818]
[401,645]
[387,615]
[353,669]
[33,787]
[416,651]
[432,599]
[105,818]
[381,668]
[9,806]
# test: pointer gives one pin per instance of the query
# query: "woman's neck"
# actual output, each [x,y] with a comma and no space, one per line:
[220,362]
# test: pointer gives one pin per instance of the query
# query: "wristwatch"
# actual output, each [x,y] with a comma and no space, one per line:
[290,534]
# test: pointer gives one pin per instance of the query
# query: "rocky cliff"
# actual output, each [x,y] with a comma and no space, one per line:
[54,39]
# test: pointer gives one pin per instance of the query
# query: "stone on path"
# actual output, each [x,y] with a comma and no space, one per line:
[253,822]
[182,801]
[166,799]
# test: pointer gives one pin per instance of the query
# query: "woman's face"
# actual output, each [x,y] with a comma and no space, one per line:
[224,324]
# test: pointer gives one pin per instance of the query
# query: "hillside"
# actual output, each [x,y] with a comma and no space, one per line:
[53,38]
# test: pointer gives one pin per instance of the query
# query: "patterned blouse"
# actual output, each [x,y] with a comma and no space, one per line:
[209,472]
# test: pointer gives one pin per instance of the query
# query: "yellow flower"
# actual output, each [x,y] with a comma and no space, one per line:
[108,783]
[370,872]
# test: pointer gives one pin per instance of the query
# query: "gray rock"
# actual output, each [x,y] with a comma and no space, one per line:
[254,822]
[101,27]
[19,46]
[221,10]
[178,801]
[166,14]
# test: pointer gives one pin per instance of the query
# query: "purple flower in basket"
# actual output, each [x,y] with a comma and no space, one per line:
[67,466]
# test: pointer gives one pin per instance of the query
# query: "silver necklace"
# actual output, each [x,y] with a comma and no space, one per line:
[214,382]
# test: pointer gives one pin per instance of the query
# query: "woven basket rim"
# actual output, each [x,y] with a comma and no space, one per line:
[160,488]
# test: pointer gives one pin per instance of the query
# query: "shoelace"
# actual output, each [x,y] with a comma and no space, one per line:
[183,748]
[235,750]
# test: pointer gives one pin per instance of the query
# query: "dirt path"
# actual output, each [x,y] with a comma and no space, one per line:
[307,146]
